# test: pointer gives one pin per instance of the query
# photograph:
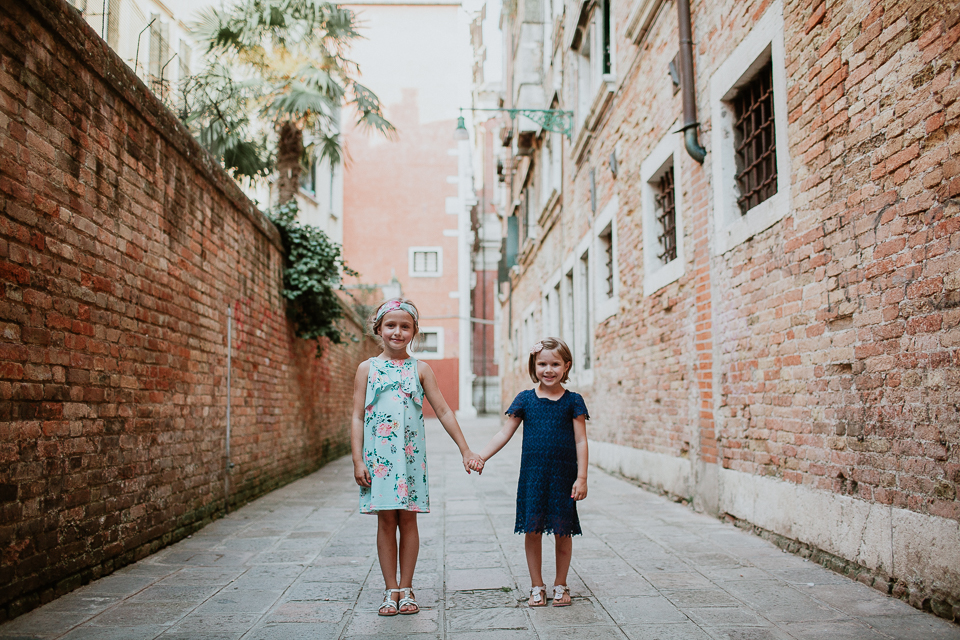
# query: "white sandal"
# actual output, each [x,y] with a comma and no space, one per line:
[538,596]
[389,606]
[558,591]
[408,601]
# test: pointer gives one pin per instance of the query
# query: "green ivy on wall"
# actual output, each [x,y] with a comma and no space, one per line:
[312,276]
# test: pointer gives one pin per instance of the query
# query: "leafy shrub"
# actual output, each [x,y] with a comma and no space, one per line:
[312,276]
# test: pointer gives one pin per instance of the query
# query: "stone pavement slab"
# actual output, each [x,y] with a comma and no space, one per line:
[301,563]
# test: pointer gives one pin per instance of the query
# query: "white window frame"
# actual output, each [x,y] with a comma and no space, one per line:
[568,303]
[528,334]
[584,319]
[552,304]
[605,306]
[425,274]
[763,43]
[667,153]
[426,355]
[594,88]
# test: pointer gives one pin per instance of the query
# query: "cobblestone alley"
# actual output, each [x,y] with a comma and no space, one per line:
[301,563]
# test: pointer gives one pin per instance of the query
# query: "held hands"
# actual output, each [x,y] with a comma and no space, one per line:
[472,462]
[477,464]
[361,474]
[579,491]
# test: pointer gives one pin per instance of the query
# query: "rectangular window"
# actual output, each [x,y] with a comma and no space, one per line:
[606,64]
[662,211]
[429,342]
[566,313]
[755,140]
[556,312]
[184,61]
[308,175]
[426,262]
[606,249]
[666,212]
[748,105]
[585,309]
[584,69]
[525,204]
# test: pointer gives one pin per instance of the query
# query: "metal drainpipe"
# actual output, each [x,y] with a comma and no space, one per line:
[687,85]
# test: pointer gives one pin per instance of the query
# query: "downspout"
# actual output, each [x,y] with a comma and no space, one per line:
[687,86]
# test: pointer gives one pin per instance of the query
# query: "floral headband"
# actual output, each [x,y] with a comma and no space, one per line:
[396,305]
[537,348]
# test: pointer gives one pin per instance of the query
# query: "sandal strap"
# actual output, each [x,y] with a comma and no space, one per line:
[387,600]
[559,590]
[538,593]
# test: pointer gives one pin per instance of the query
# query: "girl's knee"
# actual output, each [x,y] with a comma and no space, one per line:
[407,520]
[387,519]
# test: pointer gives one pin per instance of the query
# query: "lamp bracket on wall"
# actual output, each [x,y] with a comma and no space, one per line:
[555,120]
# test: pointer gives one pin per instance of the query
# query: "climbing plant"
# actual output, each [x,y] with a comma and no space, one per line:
[312,276]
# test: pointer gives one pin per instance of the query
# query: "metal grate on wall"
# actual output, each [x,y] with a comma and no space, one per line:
[665,201]
[755,140]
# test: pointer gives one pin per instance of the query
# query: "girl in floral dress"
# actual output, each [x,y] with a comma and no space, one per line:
[553,464]
[389,452]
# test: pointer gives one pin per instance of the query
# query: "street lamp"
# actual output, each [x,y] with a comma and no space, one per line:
[461,133]
[556,120]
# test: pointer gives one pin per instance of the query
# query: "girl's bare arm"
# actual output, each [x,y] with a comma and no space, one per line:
[579,491]
[444,414]
[501,438]
[360,472]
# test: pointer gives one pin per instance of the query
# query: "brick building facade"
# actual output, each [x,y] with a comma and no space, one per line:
[122,245]
[405,220]
[781,345]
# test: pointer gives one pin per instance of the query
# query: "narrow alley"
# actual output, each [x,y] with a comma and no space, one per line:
[300,562]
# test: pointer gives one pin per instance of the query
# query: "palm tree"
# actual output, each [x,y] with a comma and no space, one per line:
[281,63]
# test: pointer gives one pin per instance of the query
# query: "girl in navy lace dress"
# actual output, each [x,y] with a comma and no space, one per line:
[553,465]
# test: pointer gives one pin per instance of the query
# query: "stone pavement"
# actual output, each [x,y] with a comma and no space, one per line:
[301,563]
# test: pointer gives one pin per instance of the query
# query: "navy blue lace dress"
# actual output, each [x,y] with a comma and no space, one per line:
[548,464]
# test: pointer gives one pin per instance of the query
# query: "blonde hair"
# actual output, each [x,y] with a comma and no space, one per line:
[550,344]
[376,320]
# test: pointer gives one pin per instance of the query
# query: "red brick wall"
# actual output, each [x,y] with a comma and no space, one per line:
[825,350]
[122,244]
[837,330]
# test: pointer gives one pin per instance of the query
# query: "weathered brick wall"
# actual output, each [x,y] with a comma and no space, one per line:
[122,244]
[846,371]
[824,352]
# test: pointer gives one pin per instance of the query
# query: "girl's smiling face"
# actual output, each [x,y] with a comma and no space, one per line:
[397,331]
[550,368]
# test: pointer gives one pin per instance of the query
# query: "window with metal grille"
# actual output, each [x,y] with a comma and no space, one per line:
[606,246]
[425,262]
[755,140]
[665,202]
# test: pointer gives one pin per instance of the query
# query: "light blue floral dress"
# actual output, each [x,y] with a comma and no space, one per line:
[394,448]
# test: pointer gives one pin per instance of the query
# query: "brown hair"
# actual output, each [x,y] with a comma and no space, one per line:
[551,344]
[376,322]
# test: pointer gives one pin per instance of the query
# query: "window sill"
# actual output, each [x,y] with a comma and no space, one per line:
[598,108]
[309,195]
[755,221]
[607,308]
[548,208]
[605,92]
[660,276]
[641,18]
